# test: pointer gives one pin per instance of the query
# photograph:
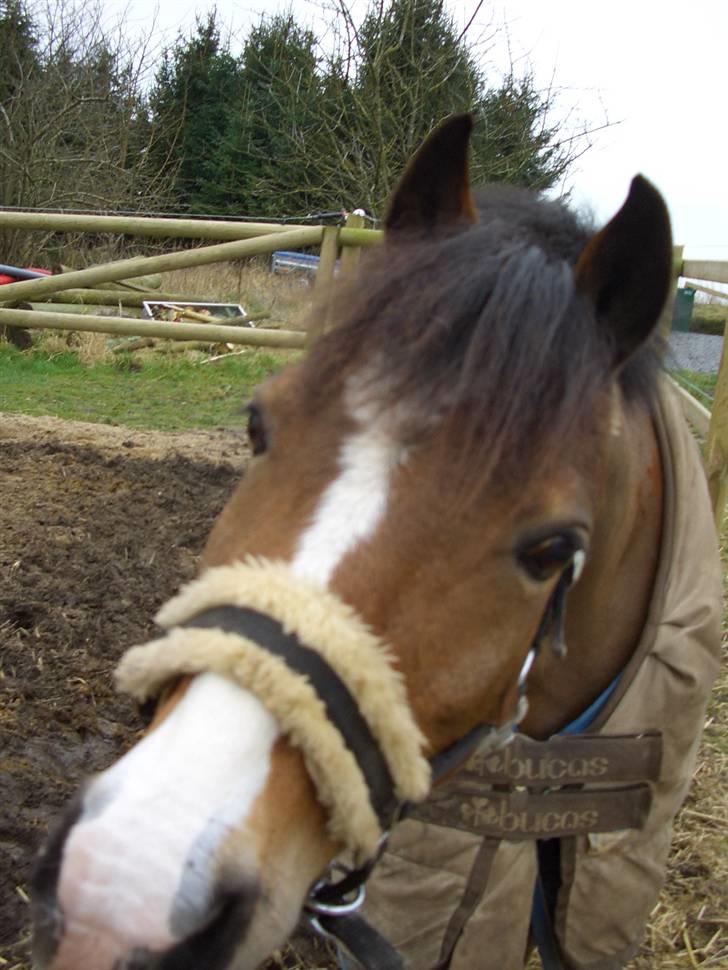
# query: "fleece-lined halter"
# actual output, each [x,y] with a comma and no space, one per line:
[297,635]
[330,683]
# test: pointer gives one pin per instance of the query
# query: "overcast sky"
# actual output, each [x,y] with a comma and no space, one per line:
[657,69]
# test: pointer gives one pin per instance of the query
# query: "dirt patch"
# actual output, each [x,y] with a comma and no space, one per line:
[98,526]
[206,447]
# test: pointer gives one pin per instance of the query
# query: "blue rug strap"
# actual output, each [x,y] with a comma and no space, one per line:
[587,717]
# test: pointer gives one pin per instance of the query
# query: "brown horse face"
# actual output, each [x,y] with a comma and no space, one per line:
[197,848]
[202,841]
[351,504]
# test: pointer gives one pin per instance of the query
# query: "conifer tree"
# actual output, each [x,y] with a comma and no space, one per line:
[265,146]
[196,89]
[291,127]
[18,48]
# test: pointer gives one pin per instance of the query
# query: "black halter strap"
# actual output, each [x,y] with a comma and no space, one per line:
[341,707]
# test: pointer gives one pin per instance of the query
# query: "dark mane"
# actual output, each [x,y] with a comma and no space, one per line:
[485,327]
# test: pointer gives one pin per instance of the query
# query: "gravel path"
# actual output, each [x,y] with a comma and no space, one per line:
[695,351]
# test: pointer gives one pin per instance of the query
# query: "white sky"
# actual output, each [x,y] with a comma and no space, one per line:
[658,67]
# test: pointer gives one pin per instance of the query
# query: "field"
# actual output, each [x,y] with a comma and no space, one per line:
[100,523]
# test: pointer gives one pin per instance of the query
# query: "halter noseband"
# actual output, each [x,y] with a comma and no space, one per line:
[341,706]
[332,905]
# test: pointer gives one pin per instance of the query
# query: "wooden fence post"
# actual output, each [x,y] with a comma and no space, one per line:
[329,255]
[350,254]
[665,323]
[348,265]
[716,448]
[324,279]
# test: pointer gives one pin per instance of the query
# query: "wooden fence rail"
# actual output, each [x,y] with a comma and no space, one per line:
[126,268]
[171,228]
[710,270]
[161,227]
[244,240]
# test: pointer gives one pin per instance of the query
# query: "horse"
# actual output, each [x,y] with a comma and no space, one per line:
[471,513]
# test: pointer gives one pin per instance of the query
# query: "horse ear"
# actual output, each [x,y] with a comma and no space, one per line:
[626,269]
[434,191]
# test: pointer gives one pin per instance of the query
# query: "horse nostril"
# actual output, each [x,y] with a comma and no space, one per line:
[46,916]
[47,932]
[136,960]
[213,946]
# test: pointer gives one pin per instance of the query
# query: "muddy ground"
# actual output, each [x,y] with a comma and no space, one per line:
[98,526]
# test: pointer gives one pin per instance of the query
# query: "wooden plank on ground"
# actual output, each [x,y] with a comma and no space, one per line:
[123,326]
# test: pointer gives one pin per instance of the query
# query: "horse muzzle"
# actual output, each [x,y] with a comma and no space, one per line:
[78,923]
[153,865]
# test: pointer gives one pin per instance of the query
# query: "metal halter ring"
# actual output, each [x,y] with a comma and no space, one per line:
[313,922]
[343,908]
[344,905]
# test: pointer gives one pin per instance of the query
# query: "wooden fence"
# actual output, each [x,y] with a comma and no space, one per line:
[237,240]
[715,428]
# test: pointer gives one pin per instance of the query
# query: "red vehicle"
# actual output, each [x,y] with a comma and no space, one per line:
[12,274]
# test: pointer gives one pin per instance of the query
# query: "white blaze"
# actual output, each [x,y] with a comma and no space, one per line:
[352,506]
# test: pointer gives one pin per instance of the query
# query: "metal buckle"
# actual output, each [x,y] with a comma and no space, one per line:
[526,668]
[348,904]
[343,908]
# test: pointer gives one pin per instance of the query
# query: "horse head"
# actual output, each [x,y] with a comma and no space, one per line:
[469,440]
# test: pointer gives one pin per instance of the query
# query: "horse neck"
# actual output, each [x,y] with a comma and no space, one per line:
[608,608]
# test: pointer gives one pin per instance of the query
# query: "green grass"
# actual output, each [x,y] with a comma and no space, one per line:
[701,386]
[709,318]
[163,393]
[168,394]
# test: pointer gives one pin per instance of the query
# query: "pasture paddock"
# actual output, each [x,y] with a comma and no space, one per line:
[65,483]
[77,879]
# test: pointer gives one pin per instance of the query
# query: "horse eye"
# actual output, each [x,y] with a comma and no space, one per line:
[546,558]
[256,430]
